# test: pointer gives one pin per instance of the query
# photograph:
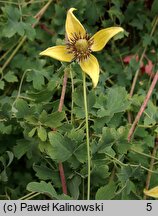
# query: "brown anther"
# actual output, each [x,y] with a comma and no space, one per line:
[79,46]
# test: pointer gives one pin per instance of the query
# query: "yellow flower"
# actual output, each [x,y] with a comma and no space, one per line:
[152,192]
[79,46]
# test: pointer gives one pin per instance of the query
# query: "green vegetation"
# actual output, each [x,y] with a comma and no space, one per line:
[39,136]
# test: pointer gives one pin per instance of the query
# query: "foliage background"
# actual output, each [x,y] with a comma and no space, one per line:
[30,89]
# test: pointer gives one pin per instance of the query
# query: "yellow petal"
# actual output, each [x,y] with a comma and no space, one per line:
[58,52]
[152,192]
[91,67]
[103,36]
[73,25]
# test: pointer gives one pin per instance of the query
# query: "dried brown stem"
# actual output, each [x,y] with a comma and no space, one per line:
[41,12]
[46,29]
[132,129]
[62,178]
[155,21]
[61,168]
[142,57]
[63,92]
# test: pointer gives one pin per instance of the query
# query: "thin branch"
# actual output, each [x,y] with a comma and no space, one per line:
[141,59]
[133,127]
[137,73]
[62,178]
[46,29]
[61,168]
[63,92]
[155,22]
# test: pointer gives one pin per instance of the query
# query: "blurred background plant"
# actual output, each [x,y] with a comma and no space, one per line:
[30,89]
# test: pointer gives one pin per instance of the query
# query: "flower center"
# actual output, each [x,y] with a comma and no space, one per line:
[79,46]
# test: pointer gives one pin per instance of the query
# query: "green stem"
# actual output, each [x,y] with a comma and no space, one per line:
[27,196]
[87,135]
[34,195]
[14,52]
[72,102]
[23,39]
[20,86]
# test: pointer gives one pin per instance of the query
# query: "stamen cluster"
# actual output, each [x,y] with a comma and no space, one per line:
[79,46]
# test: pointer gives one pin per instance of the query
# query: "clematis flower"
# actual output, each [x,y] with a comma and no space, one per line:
[79,46]
[152,192]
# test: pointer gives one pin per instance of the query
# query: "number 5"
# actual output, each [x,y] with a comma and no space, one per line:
[148,206]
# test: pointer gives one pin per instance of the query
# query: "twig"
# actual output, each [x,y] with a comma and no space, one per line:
[137,73]
[63,92]
[141,59]
[62,178]
[155,21]
[46,29]
[41,12]
[132,129]
[61,168]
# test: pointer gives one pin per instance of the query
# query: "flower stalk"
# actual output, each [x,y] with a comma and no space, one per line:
[79,47]
[87,136]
